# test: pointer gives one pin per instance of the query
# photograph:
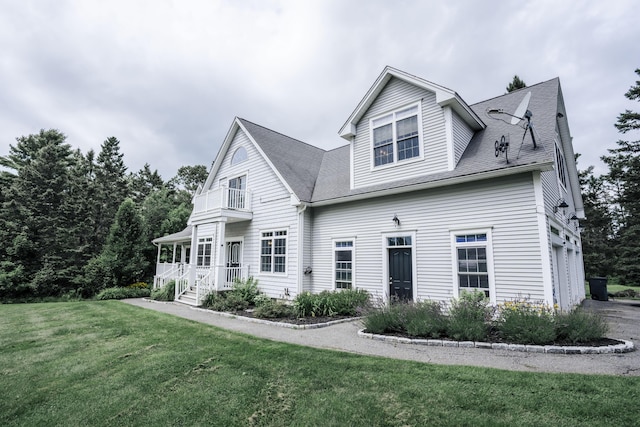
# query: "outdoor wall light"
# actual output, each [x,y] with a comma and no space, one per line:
[561,204]
[396,220]
[573,217]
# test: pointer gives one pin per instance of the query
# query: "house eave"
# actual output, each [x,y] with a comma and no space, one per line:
[462,179]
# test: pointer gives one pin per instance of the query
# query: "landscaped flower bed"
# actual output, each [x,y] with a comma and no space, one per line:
[245,299]
[471,318]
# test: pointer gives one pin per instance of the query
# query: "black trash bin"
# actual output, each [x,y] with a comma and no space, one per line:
[598,288]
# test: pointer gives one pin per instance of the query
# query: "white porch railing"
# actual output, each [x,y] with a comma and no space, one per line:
[234,273]
[204,279]
[222,198]
[166,271]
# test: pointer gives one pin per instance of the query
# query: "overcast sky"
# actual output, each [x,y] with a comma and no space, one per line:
[168,77]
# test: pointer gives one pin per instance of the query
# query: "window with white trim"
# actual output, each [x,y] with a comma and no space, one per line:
[205,245]
[472,262]
[396,136]
[343,264]
[273,251]
[561,169]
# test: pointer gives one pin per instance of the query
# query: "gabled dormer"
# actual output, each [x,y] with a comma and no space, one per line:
[407,127]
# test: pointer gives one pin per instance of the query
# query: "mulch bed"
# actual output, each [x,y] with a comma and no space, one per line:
[293,320]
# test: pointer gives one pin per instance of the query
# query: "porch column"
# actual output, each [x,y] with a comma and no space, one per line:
[220,260]
[194,256]
[174,253]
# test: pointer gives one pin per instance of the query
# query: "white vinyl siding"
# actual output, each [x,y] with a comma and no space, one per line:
[462,135]
[433,150]
[505,207]
[272,210]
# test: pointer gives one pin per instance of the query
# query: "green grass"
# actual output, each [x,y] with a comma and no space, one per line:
[107,363]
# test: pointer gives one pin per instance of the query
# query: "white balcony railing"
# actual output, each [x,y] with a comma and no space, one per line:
[222,198]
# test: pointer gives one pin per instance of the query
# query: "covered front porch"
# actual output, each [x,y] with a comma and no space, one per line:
[210,267]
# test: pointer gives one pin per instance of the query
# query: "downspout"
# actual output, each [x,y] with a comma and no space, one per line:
[301,209]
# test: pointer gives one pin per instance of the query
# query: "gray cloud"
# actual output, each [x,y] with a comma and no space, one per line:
[167,78]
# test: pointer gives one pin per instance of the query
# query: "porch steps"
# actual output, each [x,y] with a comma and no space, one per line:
[188,297]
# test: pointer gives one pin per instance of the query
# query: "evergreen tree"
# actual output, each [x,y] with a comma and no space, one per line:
[598,232]
[34,217]
[516,84]
[624,175]
[111,188]
[123,260]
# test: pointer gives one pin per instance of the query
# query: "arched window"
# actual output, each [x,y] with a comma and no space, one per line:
[239,156]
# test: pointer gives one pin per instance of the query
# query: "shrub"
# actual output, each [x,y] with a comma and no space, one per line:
[273,309]
[337,303]
[389,319]
[579,326]
[469,317]
[225,301]
[425,319]
[165,293]
[526,322]
[303,304]
[261,299]
[139,285]
[122,293]
[246,289]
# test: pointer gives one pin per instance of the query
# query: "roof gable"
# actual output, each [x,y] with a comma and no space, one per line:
[444,97]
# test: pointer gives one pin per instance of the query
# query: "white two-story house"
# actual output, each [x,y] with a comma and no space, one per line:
[422,202]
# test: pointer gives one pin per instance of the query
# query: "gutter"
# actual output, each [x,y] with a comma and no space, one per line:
[499,173]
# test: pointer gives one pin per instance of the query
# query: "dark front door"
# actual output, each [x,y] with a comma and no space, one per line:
[400,276]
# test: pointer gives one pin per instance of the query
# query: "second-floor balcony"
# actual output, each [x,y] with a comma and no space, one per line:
[233,203]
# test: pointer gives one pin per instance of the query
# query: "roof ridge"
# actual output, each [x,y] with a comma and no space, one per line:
[517,90]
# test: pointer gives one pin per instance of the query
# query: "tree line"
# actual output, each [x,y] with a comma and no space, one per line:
[611,233]
[74,222]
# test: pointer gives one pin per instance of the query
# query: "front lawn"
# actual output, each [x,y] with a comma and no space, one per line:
[108,363]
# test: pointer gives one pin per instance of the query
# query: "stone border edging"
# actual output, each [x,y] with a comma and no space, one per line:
[260,321]
[626,347]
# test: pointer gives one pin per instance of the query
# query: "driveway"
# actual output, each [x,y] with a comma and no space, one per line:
[623,317]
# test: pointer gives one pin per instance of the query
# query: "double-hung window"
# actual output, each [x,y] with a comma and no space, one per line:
[343,264]
[204,251]
[273,251]
[473,262]
[396,136]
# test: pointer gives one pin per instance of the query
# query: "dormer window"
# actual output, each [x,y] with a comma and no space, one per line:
[396,136]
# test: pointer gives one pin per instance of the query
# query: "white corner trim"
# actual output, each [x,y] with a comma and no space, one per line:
[543,236]
[448,128]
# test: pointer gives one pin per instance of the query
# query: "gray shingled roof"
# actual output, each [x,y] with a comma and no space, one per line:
[297,162]
[316,175]
[180,236]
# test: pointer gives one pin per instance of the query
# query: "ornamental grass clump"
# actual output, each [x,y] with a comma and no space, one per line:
[579,326]
[470,317]
[425,319]
[526,322]
[388,319]
[347,302]
[165,293]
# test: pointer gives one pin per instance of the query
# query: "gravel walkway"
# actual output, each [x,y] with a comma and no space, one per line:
[623,317]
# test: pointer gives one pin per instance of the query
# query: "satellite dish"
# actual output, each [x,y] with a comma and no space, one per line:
[521,110]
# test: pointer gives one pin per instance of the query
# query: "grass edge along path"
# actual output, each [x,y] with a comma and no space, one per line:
[108,363]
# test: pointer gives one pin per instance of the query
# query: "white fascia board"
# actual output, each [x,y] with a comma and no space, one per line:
[294,198]
[545,166]
[464,111]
